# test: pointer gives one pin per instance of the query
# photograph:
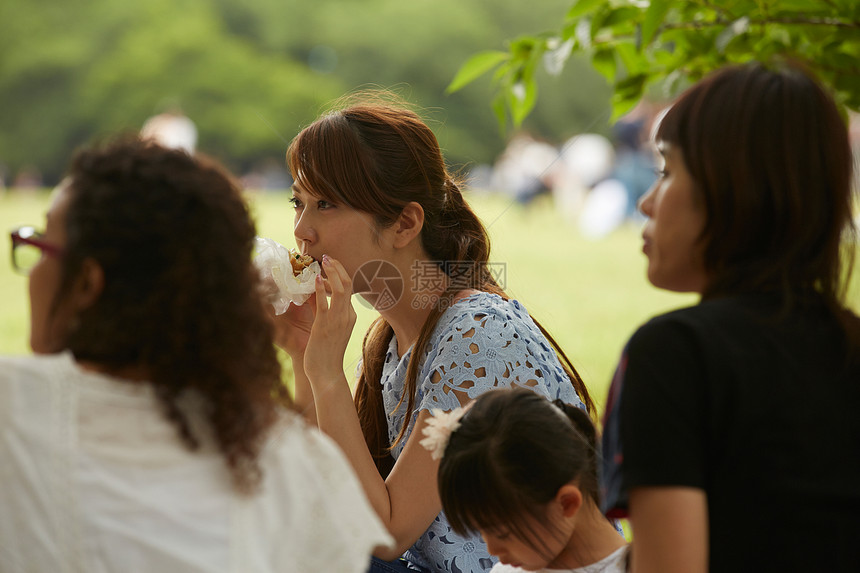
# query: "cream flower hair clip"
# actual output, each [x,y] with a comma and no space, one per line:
[439,429]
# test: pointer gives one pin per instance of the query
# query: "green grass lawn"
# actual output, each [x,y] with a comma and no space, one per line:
[590,295]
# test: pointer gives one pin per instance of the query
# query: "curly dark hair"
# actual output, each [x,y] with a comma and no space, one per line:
[181,297]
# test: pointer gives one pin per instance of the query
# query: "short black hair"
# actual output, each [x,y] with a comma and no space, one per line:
[511,454]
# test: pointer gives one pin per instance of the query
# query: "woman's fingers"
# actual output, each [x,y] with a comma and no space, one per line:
[334,322]
[320,296]
[339,283]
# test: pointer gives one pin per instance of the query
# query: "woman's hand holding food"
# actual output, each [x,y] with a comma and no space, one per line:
[332,325]
[293,328]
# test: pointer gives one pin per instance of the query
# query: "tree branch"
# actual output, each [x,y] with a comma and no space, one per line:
[827,22]
[717,8]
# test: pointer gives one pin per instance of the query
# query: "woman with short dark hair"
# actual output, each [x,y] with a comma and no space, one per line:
[732,434]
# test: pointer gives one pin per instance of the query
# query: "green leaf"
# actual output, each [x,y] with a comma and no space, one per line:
[624,17]
[672,84]
[499,109]
[603,61]
[522,106]
[845,62]
[851,100]
[582,7]
[654,17]
[523,46]
[621,105]
[502,71]
[805,6]
[596,20]
[583,33]
[627,94]
[568,31]
[779,35]
[740,6]
[476,66]
[851,48]
[634,61]
[666,56]
[630,86]
[848,83]
[736,28]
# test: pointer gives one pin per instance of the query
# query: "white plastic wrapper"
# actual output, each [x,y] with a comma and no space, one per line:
[273,261]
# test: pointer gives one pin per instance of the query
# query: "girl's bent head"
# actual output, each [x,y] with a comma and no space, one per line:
[512,453]
[769,154]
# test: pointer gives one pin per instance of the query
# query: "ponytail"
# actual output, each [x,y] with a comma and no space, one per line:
[457,234]
[581,421]
[585,428]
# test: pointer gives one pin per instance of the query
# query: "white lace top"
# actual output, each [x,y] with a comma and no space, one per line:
[94,478]
[482,342]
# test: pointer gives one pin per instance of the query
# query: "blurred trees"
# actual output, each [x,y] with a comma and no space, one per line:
[637,43]
[251,73]
[72,71]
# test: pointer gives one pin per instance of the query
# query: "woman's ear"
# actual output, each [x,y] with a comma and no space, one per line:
[88,285]
[408,224]
[569,498]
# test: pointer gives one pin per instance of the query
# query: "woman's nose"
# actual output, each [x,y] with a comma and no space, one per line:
[303,228]
[646,202]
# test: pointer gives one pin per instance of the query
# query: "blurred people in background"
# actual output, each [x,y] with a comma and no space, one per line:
[28,178]
[524,170]
[634,165]
[172,129]
[594,182]
[585,160]
[269,174]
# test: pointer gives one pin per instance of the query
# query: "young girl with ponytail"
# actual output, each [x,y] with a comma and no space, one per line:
[375,203]
[522,471]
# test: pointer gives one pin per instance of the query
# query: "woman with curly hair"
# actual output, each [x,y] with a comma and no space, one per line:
[146,434]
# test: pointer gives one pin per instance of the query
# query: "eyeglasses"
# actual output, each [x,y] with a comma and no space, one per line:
[28,247]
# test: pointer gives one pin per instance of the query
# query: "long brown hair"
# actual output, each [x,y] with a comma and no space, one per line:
[770,155]
[377,156]
[181,297]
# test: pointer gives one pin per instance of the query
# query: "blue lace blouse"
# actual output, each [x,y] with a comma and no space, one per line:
[481,342]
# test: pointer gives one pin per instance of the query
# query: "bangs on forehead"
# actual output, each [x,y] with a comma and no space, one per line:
[667,127]
[311,183]
[320,158]
[472,503]
[513,515]
[466,498]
